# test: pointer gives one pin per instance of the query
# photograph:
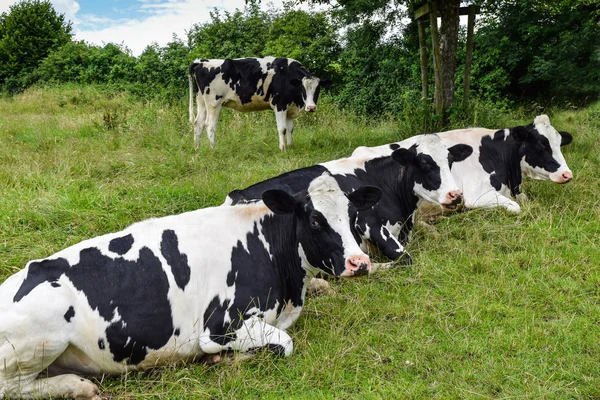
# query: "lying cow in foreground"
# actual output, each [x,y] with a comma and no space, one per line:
[252,84]
[174,288]
[493,174]
[417,168]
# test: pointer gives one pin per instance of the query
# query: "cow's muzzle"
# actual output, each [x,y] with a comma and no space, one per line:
[311,108]
[563,177]
[453,199]
[357,265]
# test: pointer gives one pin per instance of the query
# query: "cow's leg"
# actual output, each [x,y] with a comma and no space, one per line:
[200,119]
[493,199]
[371,228]
[253,335]
[281,118]
[212,117]
[24,358]
[289,130]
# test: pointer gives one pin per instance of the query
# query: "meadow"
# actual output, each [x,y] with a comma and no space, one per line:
[495,305]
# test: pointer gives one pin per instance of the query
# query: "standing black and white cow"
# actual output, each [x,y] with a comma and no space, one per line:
[251,84]
[415,169]
[492,175]
[174,288]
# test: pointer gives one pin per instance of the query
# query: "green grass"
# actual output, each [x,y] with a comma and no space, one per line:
[495,305]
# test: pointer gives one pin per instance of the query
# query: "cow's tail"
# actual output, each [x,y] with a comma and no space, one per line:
[191,82]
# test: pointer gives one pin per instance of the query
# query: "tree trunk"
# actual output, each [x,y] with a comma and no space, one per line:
[449,11]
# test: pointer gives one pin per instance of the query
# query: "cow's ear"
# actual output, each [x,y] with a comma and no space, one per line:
[520,133]
[325,83]
[404,157]
[296,82]
[459,152]
[365,197]
[565,138]
[279,201]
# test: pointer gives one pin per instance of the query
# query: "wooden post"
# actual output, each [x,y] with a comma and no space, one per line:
[469,55]
[437,61]
[423,48]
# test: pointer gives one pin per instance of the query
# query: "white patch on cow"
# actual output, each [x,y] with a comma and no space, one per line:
[329,200]
[310,86]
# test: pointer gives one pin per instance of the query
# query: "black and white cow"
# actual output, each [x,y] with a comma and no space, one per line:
[493,174]
[414,169]
[174,288]
[251,84]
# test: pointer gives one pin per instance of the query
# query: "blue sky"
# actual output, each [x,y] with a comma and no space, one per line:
[137,23]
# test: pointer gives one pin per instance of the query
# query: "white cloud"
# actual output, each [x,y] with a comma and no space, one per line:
[67,7]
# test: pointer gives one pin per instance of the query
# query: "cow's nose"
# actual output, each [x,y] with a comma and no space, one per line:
[358,265]
[566,176]
[311,108]
[454,197]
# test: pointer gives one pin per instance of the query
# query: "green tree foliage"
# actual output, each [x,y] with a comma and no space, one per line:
[307,37]
[537,50]
[231,35]
[29,31]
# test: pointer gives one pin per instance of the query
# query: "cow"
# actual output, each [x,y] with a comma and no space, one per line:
[251,84]
[174,288]
[415,169]
[493,174]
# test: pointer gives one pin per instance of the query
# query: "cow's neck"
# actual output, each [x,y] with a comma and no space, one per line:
[280,232]
[399,202]
[510,161]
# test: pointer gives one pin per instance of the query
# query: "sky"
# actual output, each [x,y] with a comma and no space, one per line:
[138,23]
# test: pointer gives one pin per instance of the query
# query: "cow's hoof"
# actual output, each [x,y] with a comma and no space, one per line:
[86,390]
[319,286]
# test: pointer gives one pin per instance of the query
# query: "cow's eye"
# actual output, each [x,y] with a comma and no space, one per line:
[315,224]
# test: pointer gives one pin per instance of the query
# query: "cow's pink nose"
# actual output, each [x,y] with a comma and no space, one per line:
[566,176]
[311,108]
[358,265]
[454,196]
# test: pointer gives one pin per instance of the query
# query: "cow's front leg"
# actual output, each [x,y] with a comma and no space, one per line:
[67,386]
[281,118]
[289,130]
[253,335]
[493,199]
[371,228]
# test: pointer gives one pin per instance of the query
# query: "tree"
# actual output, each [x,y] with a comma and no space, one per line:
[307,37]
[29,31]
[538,50]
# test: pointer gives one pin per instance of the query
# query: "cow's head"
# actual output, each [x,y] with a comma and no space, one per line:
[540,153]
[324,220]
[311,87]
[428,163]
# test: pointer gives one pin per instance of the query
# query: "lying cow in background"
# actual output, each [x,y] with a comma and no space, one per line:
[417,168]
[252,84]
[174,288]
[493,174]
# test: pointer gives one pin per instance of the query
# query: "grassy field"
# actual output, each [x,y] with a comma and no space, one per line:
[495,306]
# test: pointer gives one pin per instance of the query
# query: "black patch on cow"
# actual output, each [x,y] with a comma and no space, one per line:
[394,146]
[69,314]
[291,182]
[207,91]
[217,97]
[537,150]
[281,92]
[55,284]
[260,281]
[169,248]
[121,245]
[101,344]
[499,157]
[275,349]
[136,289]
[177,332]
